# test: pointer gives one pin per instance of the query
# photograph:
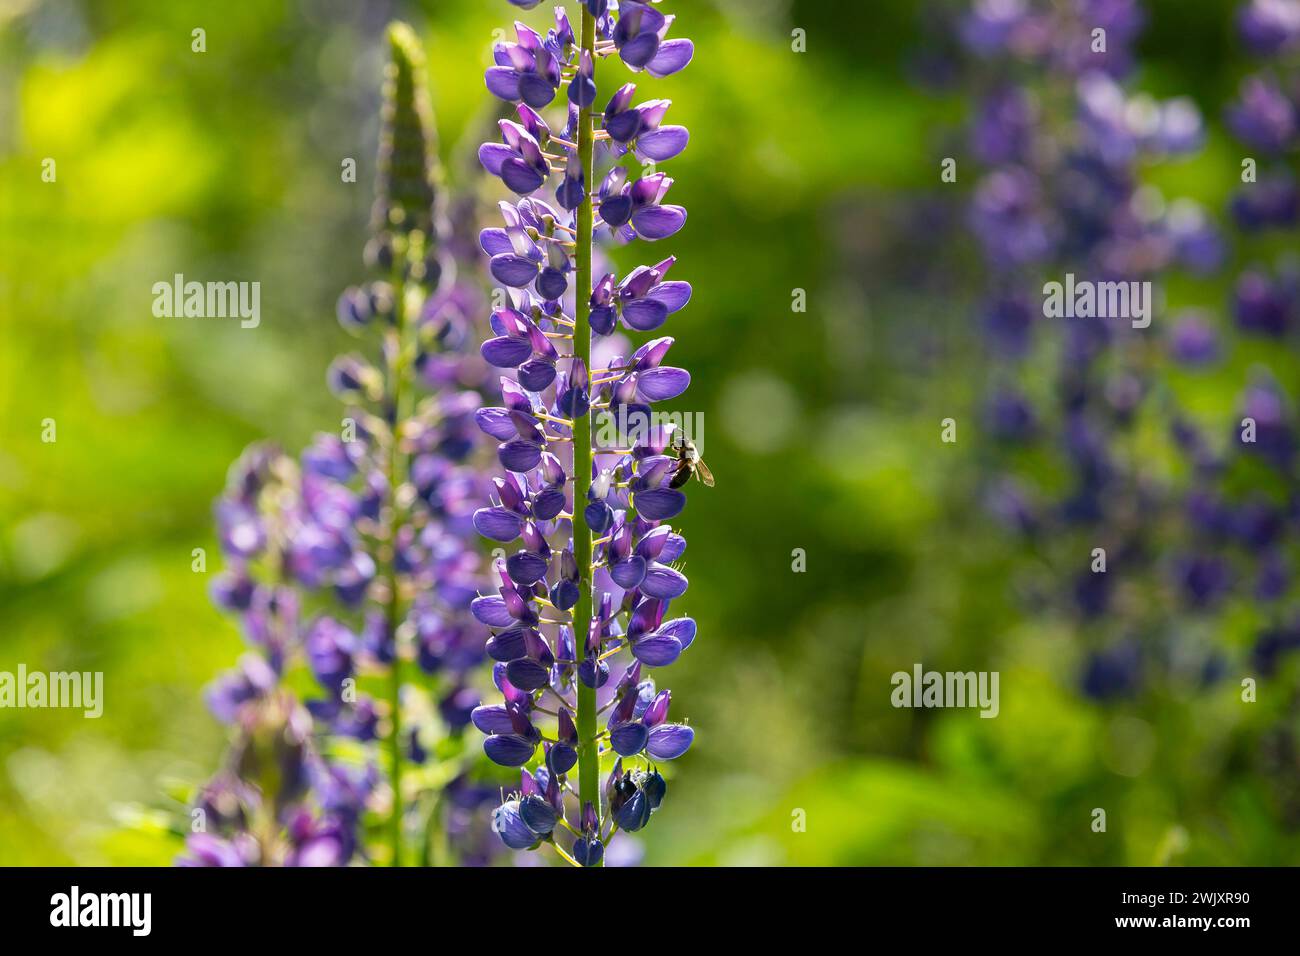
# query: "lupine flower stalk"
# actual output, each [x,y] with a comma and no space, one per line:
[1218,537]
[1242,507]
[354,563]
[592,580]
[1060,138]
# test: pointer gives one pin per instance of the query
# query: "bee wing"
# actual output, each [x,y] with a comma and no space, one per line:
[702,470]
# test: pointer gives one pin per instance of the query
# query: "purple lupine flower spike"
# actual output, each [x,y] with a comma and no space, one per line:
[1028,225]
[588,573]
[1240,545]
[355,559]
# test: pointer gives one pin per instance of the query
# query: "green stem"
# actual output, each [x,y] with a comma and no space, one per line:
[396,478]
[588,761]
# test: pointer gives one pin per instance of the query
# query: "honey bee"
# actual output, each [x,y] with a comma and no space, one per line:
[689,464]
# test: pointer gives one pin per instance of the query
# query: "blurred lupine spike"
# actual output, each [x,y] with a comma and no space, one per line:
[1247,533]
[559,623]
[335,574]
[1062,191]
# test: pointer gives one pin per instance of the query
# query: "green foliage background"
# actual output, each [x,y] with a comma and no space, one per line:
[805,171]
